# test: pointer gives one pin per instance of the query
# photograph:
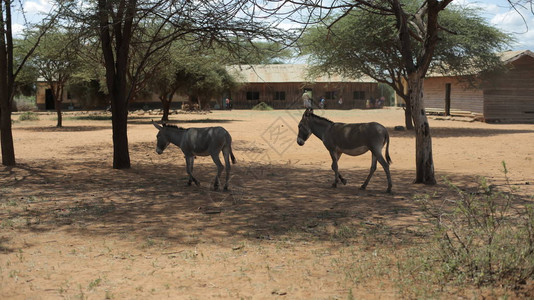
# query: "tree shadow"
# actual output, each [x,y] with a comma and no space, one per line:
[449,132]
[265,201]
[65,128]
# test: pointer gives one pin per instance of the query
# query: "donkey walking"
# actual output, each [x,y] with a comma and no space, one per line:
[198,141]
[351,139]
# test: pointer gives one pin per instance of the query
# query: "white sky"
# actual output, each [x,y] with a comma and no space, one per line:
[497,12]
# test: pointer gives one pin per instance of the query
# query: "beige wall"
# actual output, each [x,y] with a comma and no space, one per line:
[463,96]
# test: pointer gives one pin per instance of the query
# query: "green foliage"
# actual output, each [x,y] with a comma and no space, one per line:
[367,42]
[480,237]
[262,106]
[28,116]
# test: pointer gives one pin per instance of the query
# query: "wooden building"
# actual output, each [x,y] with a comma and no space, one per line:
[282,86]
[505,97]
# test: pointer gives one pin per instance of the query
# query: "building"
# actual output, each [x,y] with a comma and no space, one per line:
[504,97]
[282,86]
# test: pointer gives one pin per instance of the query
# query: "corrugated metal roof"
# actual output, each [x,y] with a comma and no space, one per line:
[279,73]
[509,56]
[506,57]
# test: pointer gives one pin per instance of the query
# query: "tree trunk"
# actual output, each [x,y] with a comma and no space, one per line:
[408,116]
[423,140]
[166,101]
[58,100]
[116,63]
[8,151]
[6,134]
[119,117]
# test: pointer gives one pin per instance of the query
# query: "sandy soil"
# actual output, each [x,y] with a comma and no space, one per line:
[72,227]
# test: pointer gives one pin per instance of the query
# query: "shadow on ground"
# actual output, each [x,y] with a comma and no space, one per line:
[151,200]
[450,132]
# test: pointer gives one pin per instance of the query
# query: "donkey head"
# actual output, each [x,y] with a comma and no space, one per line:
[304,127]
[162,139]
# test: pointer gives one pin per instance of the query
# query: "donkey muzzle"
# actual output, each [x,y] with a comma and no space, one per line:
[300,141]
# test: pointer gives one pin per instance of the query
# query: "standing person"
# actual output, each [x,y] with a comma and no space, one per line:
[228,104]
[340,102]
[306,99]
[322,102]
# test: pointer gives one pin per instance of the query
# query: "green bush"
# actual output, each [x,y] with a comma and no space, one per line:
[481,237]
[28,116]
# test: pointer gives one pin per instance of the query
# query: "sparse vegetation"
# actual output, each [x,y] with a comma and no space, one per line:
[28,116]
[480,237]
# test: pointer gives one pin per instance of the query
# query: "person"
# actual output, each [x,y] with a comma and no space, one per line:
[228,104]
[322,102]
[306,99]
[340,101]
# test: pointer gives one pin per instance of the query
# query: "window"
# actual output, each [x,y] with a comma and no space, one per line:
[358,95]
[330,95]
[253,95]
[279,95]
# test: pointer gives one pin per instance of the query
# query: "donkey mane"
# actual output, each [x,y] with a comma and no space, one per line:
[174,126]
[320,118]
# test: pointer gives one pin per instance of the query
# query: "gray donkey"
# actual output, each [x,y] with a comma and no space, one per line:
[201,142]
[351,139]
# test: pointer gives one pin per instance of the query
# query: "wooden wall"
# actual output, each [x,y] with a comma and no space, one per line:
[510,98]
[294,91]
[463,96]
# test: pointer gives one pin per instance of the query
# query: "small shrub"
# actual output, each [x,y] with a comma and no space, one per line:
[28,116]
[262,106]
[23,103]
[481,238]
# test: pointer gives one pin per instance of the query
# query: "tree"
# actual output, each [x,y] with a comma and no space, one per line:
[56,60]
[411,44]
[160,23]
[365,43]
[9,72]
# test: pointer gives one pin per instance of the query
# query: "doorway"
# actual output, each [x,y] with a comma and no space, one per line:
[49,100]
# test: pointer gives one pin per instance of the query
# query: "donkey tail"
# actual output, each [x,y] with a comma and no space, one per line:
[232,156]
[388,159]
[229,143]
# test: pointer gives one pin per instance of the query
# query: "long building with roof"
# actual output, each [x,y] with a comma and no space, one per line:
[282,86]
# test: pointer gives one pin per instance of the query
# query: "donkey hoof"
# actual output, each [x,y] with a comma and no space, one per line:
[363,187]
[225,188]
[334,185]
[344,181]
[189,183]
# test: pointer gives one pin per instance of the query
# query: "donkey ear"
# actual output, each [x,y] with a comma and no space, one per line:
[308,112]
[156,125]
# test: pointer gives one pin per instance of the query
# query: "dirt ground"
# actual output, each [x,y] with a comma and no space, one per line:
[72,227]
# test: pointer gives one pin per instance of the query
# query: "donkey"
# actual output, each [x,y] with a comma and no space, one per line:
[201,142]
[351,139]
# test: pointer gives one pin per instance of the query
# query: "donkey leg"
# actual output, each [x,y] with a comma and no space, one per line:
[335,157]
[190,161]
[385,165]
[371,172]
[220,168]
[226,154]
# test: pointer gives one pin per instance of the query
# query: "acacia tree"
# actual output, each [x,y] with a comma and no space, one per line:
[417,36]
[9,71]
[364,42]
[161,22]
[56,60]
